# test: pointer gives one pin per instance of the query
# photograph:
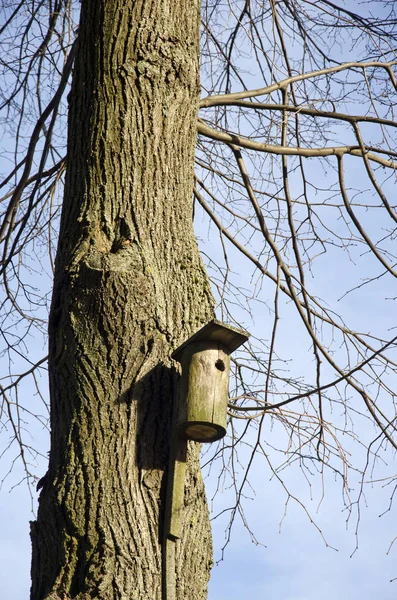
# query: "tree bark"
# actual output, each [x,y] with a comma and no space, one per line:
[129,287]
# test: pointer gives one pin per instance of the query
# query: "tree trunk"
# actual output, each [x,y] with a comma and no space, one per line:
[129,288]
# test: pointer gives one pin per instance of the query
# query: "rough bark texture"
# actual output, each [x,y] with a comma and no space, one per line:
[129,288]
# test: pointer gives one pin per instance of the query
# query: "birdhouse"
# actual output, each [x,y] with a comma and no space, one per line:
[204,383]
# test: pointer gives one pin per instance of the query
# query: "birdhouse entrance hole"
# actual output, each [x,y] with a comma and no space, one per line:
[220,365]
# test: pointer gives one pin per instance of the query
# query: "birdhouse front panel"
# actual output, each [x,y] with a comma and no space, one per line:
[204,389]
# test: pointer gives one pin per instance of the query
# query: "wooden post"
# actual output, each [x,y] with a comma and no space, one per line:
[200,416]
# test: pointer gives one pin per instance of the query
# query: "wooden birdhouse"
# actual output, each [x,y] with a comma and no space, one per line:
[204,383]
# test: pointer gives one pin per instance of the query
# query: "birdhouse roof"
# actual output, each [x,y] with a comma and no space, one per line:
[216,331]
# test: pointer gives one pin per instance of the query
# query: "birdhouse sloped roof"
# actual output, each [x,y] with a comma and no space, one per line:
[215,331]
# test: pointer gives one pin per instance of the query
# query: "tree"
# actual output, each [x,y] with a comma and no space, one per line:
[129,283]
